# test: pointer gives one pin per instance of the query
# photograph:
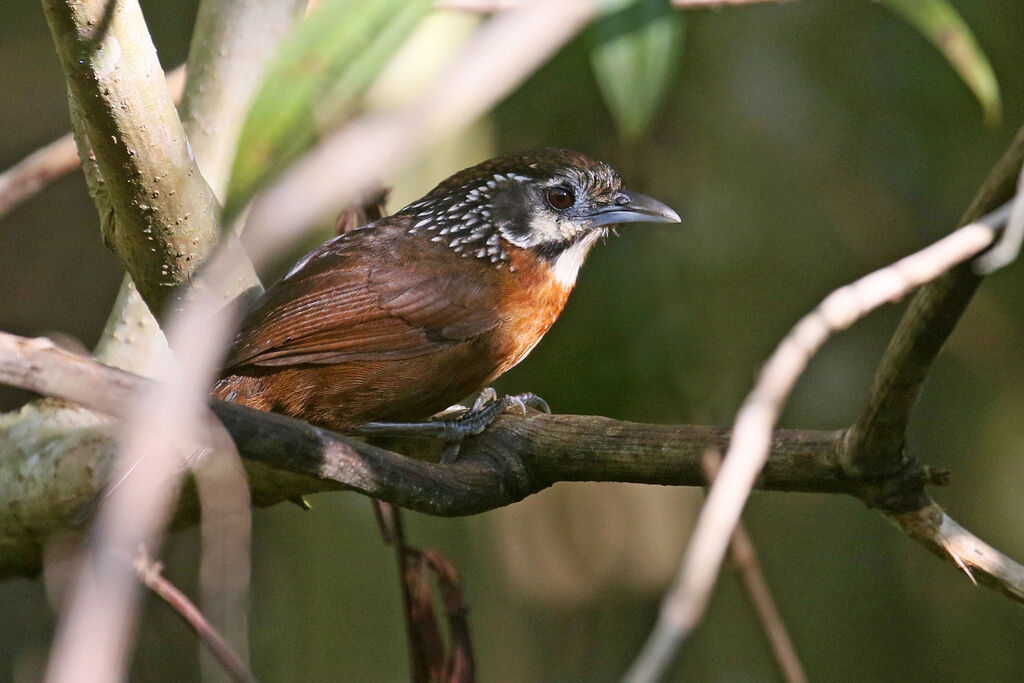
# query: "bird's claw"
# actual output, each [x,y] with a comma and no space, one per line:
[518,404]
[486,396]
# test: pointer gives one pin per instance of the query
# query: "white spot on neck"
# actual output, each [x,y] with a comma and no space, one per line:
[567,264]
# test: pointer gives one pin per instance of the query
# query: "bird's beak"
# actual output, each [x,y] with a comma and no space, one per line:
[633,207]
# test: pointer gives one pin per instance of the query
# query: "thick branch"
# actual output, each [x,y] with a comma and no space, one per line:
[165,215]
[875,442]
[517,457]
[47,164]
[513,459]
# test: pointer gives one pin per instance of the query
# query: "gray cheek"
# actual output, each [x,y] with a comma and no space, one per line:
[520,238]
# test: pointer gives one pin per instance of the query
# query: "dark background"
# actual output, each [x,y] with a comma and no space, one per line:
[804,144]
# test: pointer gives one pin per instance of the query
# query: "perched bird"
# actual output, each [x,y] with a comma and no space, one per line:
[399,319]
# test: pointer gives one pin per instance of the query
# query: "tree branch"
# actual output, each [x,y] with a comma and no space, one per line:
[164,214]
[230,47]
[511,460]
[151,574]
[875,442]
[685,602]
[744,557]
[47,164]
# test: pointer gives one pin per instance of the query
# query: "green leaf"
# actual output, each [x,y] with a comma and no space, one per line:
[940,23]
[637,46]
[314,83]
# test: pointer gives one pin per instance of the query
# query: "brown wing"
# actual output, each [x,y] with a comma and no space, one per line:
[371,294]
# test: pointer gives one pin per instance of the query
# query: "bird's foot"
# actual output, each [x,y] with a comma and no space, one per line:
[458,422]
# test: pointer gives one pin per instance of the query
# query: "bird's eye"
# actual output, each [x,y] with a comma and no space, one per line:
[560,198]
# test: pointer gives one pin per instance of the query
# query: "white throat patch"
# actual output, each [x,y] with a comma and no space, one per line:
[567,264]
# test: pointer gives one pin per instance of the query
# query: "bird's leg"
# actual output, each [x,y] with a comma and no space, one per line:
[465,423]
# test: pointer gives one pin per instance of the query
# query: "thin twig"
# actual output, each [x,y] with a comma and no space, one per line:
[150,573]
[426,648]
[744,557]
[686,601]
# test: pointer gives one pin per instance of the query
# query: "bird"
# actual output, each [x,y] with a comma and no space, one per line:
[398,319]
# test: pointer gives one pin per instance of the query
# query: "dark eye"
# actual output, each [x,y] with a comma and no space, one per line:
[560,198]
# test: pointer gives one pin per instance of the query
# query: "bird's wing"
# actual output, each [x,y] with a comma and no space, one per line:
[366,295]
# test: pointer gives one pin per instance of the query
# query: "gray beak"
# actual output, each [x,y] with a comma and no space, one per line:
[633,207]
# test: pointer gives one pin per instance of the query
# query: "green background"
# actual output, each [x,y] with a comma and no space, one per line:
[803,144]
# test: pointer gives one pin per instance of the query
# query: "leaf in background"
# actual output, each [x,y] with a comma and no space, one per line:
[938,21]
[637,45]
[314,82]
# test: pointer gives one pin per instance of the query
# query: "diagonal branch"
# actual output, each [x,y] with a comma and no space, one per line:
[150,573]
[165,216]
[938,532]
[53,161]
[685,602]
[875,442]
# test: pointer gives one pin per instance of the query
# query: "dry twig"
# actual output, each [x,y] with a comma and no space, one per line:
[150,573]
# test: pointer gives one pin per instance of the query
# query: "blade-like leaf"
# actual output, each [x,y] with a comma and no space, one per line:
[636,51]
[940,23]
[314,82]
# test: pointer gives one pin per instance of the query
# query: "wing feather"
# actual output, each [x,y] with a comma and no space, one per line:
[370,294]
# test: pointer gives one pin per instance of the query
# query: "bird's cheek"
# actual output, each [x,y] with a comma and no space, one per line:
[546,227]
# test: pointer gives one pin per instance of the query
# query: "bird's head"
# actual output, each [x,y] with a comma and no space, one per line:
[553,202]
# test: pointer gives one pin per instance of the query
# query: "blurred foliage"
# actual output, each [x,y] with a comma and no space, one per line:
[637,46]
[804,144]
[939,21]
[316,80]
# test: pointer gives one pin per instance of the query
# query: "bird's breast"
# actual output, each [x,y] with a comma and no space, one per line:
[531,302]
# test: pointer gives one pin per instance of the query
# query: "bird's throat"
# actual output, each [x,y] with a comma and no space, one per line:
[565,266]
